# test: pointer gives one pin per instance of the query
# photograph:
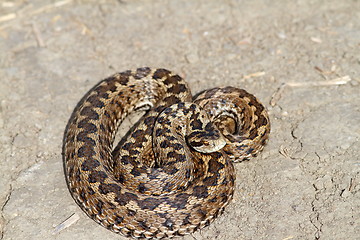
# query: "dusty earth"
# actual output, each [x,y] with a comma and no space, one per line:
[301,58]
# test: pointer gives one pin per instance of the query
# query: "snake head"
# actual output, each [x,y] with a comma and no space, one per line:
[207,140]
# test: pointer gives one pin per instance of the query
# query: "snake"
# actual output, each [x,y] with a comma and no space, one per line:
[172,173]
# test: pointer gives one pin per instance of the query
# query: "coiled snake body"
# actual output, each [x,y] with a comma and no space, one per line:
[172,173]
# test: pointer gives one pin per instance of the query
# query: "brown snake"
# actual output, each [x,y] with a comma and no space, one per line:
[172,173]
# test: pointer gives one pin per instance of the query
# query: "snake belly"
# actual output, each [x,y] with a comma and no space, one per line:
[172,173]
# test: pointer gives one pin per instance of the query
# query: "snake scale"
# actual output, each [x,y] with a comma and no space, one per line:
[172,173]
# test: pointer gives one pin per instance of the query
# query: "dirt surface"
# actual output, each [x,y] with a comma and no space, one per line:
[301,58]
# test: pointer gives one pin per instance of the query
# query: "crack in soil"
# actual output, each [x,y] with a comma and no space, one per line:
[3,221]
[315,216]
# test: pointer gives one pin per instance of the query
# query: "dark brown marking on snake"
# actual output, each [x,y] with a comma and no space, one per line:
[90,113]
[77,175]
[89,164]
[215,166]
[171,99]
[201,191]
[107,114]
[193,108]
[177,146]
[82,195]
[250,150]
[106,86]
[134,152]
[112,88]
[161,132]
[173,80]
[241,147]
[83,137]
[99,206]
[178,88]
[211,180]
[177,156]
[263,121]
[226,181]
[141,236]
[120,178]
[91,191]
[138,134]
[196,124]
[123,199]
[104,95]
[149,121]
[123,80]
[127,146]
[186,221]
[226,89]
[85,151]
[170,171]
[136,171]
[210,128]
[224,198]
[213,200]
[207,222]
[97,177]
[162,120]
[102,128]
[164,144]
[107,188]
[143,225]
[119,219]
[186,111]
[202,213]
[179,201]
[188,173]
[160,73]
[71,137]
[95,101]
[90,127]
[71,155]
[150,203]
[142,72]
[142,188]
[210,93]
[171,138]
[263,141]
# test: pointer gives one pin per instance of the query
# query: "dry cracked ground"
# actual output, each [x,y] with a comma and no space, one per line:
[301,58]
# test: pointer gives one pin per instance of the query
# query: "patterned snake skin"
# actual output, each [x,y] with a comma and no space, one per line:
[172,173]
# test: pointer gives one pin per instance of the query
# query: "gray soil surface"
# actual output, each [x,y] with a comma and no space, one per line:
[300,58]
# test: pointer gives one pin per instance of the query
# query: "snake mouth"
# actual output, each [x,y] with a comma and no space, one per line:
[207,146]
[144,106]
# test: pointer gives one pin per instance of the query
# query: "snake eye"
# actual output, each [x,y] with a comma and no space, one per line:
[206,143]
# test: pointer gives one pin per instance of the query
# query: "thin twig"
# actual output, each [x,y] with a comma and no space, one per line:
[37,34]
[277,95]
[8,17]
[336,81]
[67,223]
[257,74]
